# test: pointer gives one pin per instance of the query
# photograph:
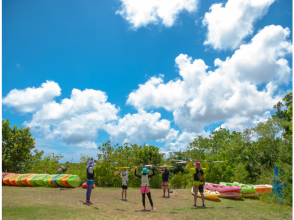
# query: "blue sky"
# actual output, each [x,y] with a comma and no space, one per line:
[156,72]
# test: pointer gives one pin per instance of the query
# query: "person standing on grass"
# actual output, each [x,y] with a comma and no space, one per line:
[124,177]
[198,173]
[90,179]
[165,174]
[145,185]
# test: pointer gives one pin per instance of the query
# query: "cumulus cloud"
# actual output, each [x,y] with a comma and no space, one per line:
[143,12]
[75,120]
[239,123]
[183,140]
[241,86]
[228,25]
[140,127]
[32,99]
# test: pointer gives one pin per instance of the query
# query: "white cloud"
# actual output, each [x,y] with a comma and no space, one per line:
[140,127]
[229,25]
[75,120]
[239,123]
[231,90]
[183,141]
[88,145]
[143,12]
[31,99]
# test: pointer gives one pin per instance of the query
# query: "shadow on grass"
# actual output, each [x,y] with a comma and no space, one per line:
[120,209]
[201,207]
[142,210]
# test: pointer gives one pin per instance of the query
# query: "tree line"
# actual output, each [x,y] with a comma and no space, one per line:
[251,155]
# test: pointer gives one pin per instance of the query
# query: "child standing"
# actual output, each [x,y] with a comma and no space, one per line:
[90,179]
[124,177]
[145,184]
[165,174]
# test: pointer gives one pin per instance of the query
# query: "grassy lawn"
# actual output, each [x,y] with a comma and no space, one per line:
[53,203]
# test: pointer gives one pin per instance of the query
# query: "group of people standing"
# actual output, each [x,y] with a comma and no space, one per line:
[198,182]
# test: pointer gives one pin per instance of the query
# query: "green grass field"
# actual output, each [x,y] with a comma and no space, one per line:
[53,203]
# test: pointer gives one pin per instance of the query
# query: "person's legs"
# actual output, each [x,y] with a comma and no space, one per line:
[125,194]
[89,190]
[201,193]
[195,190]
[163,192]
[122,194]
[143,199]
[150,200]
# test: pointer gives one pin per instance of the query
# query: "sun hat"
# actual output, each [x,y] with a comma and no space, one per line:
[197,164]
[164,165]
[145,170]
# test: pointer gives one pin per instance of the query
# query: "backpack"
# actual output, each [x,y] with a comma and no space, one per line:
[199,175]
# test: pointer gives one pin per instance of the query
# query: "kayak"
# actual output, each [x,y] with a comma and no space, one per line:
[6,178]
[18,180]
[208,194]
[64,180]
[24,178]
[54,180]
[246,188]
[30,179]
[34,180]
[50,180]
[222,189]
[59,179]
[13,178]
[250,195]
[46,180]
[231,195]
[39,180]
[74,181]
[85,186]
[263,188]
[3,176]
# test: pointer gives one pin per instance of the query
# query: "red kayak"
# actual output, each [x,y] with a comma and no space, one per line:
[222,189]
[85,185]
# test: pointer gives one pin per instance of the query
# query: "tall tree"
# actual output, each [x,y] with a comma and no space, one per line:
[17,146]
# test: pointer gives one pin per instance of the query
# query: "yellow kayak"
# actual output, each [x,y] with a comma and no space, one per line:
[250,195]
[208,194]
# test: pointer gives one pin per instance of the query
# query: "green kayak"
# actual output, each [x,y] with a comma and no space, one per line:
[18,180]
[46,180]
[39,180]
[74,181]
[246,188]
[59,179]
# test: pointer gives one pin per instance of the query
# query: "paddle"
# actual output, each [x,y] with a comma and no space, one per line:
[206,161]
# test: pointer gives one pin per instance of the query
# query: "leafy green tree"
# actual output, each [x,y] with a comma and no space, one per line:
[17,146]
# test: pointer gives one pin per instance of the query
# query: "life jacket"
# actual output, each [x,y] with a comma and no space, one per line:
[124,181]
[145,180]
[198,171]
[90,176]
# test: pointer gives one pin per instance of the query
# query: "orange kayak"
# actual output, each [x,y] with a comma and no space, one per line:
[263,188]
[64,181]
[12,180]
[24,179]
[7,177]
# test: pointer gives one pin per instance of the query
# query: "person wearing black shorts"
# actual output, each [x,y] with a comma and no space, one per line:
[198,179]
[124,178]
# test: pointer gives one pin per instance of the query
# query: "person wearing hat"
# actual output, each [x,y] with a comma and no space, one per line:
[145,185]
[124,177]
[198,182]
[90,179]
[165,174]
